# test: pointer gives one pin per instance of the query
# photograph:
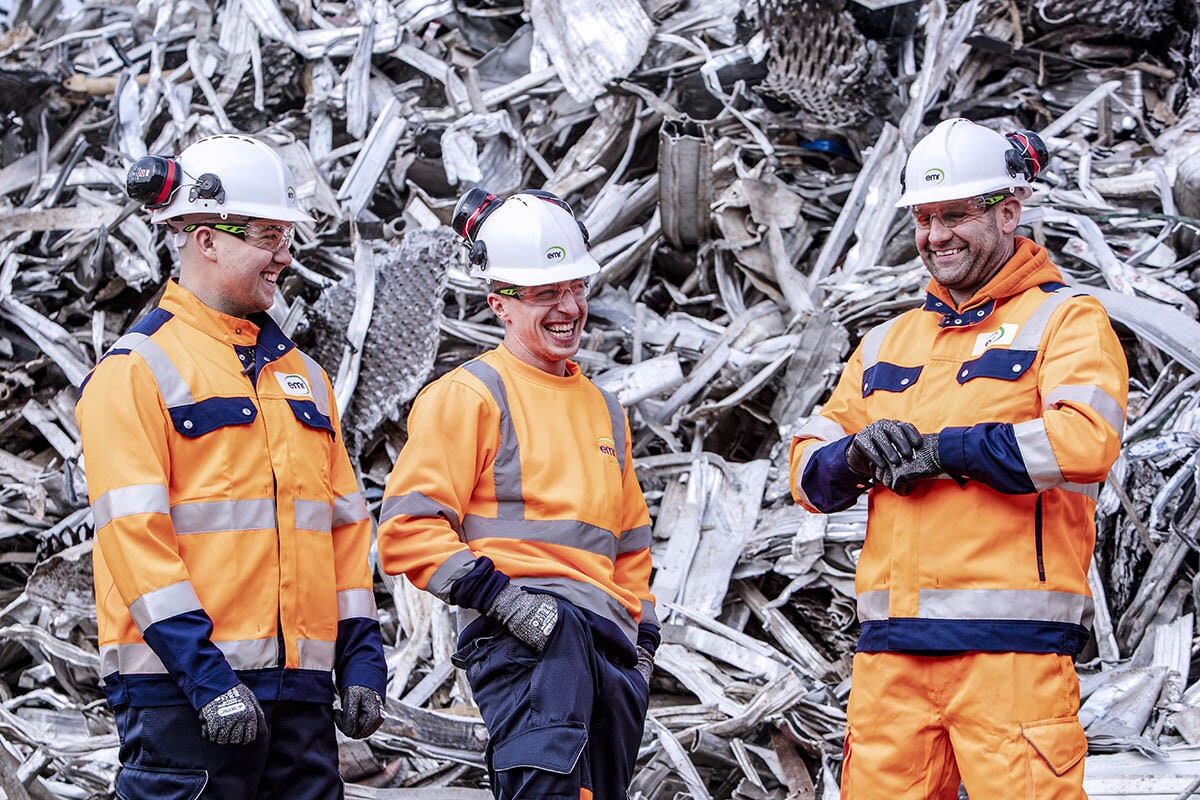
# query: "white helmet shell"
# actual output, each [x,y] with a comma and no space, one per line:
[254,182]
[530,240]
[960,159]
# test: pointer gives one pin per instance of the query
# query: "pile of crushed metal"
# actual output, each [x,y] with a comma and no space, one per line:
[736,162]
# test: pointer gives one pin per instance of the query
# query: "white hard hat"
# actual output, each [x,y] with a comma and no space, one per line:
[225,175]
[529,239]
[960,159]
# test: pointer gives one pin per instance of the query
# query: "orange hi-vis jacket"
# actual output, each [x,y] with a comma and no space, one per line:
[232,542]
[531,470]
[1026,386]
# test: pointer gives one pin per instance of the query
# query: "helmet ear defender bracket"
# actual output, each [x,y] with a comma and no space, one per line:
[154,180]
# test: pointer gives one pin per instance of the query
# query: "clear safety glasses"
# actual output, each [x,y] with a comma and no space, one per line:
[269,236]
[549,295]
[955,212]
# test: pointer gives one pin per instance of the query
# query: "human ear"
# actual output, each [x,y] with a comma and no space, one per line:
[1009,215]
[496,303]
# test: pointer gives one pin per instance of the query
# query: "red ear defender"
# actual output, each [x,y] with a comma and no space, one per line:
[1029,154]
[153,180]
[469,213]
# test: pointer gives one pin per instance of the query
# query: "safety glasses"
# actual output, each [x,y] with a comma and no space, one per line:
[549,295]
[955,212]
[269,236]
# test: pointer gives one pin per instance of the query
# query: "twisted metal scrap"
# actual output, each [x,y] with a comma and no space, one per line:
[1142,20]
[818,61]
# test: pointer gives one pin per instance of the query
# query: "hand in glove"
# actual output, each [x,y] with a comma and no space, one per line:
[881,445]
[645,664]
[361,713]
[925,463]
[234,717]
[529,617]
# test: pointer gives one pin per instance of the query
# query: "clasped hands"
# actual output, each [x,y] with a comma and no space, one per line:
[894,454]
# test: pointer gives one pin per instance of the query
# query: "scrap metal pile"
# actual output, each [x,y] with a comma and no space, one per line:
[736,162]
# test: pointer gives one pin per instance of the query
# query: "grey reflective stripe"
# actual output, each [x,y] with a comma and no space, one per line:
[617,415]
[448,573]
[348,509]
[139,659]
[316,383]
[354,603]
[562,532]
[1091,490]
[649,613]
[171,385]
[1093,397]
[223,515]
[314,515]
[805,457]
[316,654]
[873,605]
[169,601]
[986,604]
[506,467]
[589,597]
[416,504]
[635,539]
[822,428]
[144,498]
[1029,337]
[1038,455]
[873,341]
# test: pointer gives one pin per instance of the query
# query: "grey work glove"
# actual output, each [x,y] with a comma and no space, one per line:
[234,717]
[529,617]
[645,664]
[881,445]
[926,462]
[361,713]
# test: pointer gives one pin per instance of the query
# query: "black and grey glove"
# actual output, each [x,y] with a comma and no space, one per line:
[645,664]
[926,462]
[529,617]
[361,713]
[882,444]
[234,717]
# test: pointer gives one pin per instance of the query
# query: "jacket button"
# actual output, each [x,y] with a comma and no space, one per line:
[281,347]
[904,382]
[965,373]
[979,313]
[187,423]
[1016,367]
[246,412]
[307,415]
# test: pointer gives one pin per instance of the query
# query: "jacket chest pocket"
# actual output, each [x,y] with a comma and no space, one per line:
[997,364]
[885,377]
[307,413]
[196,419]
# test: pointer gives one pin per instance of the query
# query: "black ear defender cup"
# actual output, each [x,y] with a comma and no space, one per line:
[1028,155]
[551,197]
[153,180]
[469,213]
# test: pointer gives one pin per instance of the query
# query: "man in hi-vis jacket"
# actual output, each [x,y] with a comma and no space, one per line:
[982,424]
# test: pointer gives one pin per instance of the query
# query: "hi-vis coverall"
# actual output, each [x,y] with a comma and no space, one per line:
[231,538]
[509,466]
[972,591]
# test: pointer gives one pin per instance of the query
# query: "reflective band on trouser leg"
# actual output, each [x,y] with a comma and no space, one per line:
[1009,721]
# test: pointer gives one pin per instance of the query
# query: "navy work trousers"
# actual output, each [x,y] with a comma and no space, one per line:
[563,725]
[164,757]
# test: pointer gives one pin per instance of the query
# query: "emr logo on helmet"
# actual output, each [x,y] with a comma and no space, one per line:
[556,253]
[935,175]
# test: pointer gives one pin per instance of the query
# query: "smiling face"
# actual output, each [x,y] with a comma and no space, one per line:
[966,256]
[228,273]
[543,336]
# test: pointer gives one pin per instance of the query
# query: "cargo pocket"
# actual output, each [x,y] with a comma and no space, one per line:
[552,748]
[140,783]
[1056,748]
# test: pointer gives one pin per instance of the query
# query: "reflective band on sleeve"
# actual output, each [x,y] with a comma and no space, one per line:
[805,457]
[348,509]
[649,613]
[1093,397]
[638,538]
[415,504]
[818,427]
[171,385]
[224,515]
[1038,455]
[356,603]
[316,383]
[314,515]
[146,498]
[617,416]
[450,571]
[160,604]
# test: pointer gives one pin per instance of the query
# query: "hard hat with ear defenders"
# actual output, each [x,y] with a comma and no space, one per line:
[960,159]
[529,239]
[222,176]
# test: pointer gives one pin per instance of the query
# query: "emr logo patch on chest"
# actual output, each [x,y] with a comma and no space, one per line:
[294,385]
[1006,334]
[607,446]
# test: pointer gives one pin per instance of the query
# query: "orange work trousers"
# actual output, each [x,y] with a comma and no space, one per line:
[1005,724]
